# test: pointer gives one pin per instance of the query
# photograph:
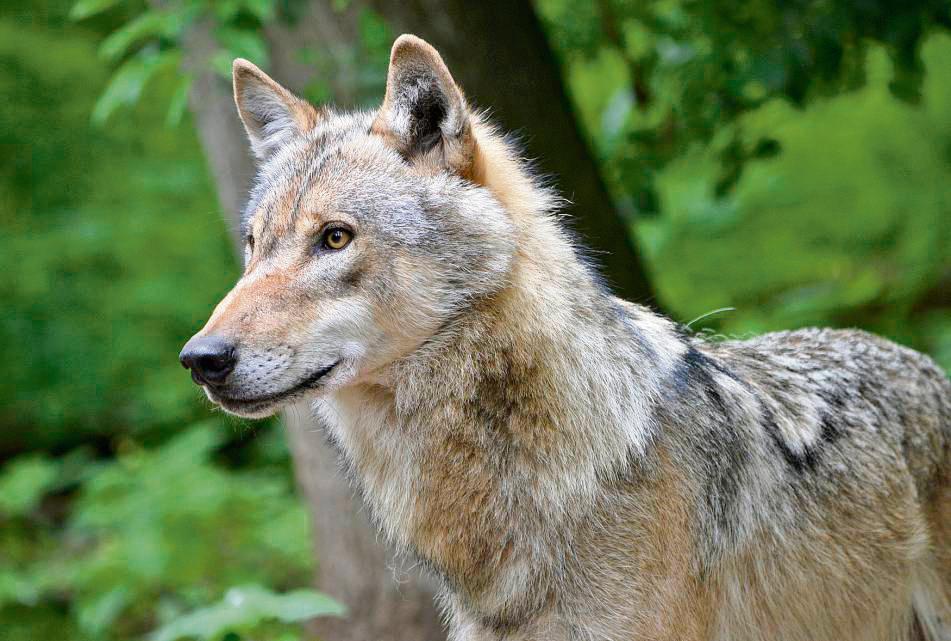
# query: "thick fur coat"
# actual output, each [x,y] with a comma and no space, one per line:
[569,465]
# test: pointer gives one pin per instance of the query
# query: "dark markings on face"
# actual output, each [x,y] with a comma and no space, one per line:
[353,277]
[308,179]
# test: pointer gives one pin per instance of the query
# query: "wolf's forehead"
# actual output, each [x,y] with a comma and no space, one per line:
[335,162]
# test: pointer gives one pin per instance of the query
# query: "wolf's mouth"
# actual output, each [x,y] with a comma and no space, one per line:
[255,404]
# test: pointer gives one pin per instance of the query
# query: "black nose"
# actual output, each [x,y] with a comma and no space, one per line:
[210,358]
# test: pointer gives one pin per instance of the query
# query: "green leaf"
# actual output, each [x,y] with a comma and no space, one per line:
[150,24]
[226,10]
[221,64]
[85,8]
[263,10]
[96,616]
[375,36]
[16,587]
[179,102]
[244,43]
[24,482]
[128,81]
[245,607]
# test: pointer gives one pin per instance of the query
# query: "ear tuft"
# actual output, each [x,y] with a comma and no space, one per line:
[424,109]
[271,114]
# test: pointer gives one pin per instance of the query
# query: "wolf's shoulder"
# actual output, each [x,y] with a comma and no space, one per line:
[833,356]
[823,386]
[841,367]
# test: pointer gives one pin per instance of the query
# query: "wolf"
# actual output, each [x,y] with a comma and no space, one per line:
[567,464]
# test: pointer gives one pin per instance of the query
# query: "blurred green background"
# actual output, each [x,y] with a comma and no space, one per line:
[791,164]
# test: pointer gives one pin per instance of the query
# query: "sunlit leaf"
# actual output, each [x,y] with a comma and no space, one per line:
[148,25]
[17,588]
[128,81]
[179,101]
[244,607]
[97,615]
[23,482]
[86,8]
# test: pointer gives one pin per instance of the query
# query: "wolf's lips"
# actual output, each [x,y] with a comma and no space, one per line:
[256,403]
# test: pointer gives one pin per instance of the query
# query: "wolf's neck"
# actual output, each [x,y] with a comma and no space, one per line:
[508,422]
[554,370]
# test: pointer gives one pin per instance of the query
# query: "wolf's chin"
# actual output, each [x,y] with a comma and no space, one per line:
[264,406]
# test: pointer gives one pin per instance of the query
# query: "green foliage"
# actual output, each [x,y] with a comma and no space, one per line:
[127,83]
[353,75]
[790,161]
[678,70]
[154,534]
[112,249]
[850,230]
[244,609]
[86,8]
[150,42]
[24,483]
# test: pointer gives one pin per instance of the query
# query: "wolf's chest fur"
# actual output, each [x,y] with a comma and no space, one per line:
[487,440]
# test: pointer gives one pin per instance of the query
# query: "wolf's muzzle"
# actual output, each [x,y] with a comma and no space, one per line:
[210,358]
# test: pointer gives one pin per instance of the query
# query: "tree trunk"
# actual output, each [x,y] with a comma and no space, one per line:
[498,53]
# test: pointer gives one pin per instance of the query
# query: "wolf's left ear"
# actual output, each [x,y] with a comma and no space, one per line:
[271,114]
[424,113]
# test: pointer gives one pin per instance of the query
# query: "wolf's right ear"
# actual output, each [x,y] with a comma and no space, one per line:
[271,114]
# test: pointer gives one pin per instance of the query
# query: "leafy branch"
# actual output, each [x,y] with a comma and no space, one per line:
[150,43]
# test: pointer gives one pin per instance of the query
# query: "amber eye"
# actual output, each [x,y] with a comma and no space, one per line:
[337,238]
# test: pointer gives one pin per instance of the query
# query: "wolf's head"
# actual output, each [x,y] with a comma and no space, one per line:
[364,235]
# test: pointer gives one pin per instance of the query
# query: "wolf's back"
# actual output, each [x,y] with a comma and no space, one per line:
[856,454]
[858,390]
